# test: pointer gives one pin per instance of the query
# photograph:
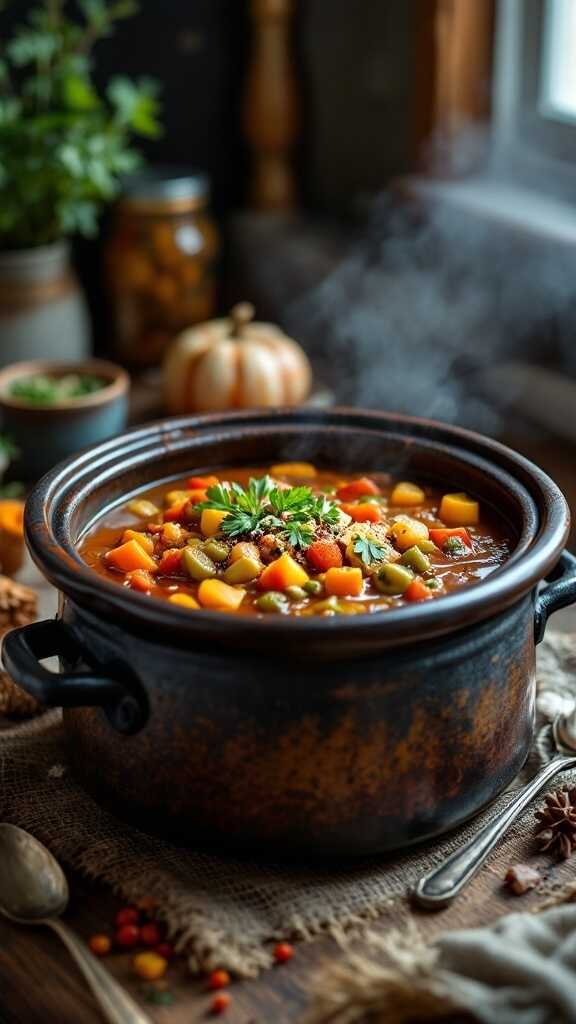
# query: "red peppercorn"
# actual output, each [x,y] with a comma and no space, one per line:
[100,944]
[128,936]
[128,915]
[150,934]
[165,949]
[283,952]
[218,979]
[220,1003]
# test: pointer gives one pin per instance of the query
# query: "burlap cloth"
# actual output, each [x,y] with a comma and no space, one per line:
[223,911]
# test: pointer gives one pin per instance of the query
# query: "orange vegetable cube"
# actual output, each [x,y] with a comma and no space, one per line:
[344,582]
[211,521]
[219,596]
[459,510]
[302,470]
[366,512]
[145,542]
[201,483]
[406,494]
[281,573]
[197,495]
[347,492]
[175,497]
[417,591]
[171,562]
[407,532]
[244,549]
[130,556]
[140,580]
[176,512]
[183,600]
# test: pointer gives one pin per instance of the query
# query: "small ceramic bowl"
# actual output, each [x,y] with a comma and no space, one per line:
[46,434]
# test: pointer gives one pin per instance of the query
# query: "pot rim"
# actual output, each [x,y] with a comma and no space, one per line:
[54,551]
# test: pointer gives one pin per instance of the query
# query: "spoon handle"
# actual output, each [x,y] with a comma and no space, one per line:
[116,1004]
[441,885]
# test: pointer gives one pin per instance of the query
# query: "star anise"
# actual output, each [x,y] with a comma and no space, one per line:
[558,820]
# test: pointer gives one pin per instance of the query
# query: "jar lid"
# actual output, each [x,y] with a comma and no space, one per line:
[166,188]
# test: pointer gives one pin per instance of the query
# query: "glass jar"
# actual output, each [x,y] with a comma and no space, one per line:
[160,263]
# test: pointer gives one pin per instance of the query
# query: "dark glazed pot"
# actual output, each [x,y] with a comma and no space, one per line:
[325,736]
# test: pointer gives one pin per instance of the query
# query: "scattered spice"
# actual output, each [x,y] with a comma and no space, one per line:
[165,949]
[100,944]
[283,952]
[219,979]
[557,818]
[520,878]
[149,966]
[220,1003]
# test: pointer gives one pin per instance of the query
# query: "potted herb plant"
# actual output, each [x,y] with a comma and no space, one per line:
[63,150]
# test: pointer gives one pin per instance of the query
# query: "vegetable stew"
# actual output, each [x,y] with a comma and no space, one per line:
[291,539]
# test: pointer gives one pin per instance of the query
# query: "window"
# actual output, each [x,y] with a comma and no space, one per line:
[535,92]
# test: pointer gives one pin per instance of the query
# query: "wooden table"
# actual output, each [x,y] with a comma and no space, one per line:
[39,984]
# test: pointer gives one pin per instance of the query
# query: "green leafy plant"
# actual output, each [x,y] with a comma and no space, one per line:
[369,550]
[293,512]
[63,146]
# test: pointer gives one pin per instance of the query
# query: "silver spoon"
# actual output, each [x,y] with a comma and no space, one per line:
[442,884]
[33,890]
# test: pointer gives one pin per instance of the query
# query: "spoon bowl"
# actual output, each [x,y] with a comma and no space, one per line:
[32,884]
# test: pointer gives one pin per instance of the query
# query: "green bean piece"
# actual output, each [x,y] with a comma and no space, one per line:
[217,551]
[143,509]
[197,563]
[328,605]
[393,579]
[296,593]
[427,546]
[243,570]
[313,588]
[272,601]
[195,541]
[416,559]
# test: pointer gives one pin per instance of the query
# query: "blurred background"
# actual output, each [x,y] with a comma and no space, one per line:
[391,185]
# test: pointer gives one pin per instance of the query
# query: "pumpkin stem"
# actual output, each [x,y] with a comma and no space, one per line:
[240,315]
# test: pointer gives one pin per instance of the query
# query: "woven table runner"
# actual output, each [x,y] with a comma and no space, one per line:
[224,911]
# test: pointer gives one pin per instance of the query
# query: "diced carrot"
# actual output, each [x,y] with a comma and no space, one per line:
[184,600]
[406,494]
[281,573]
[439,537]
[344,582]
[220,596]
[459,510]
[366,512]
[211,521]
[323,555]
[356,489]
[301,470]
[140,580]
[171,562]
[130,556]
[195,483]
[145,542]
[176,513]
[197,495]
[417,591]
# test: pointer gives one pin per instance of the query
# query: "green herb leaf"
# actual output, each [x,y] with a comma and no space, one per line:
[369,550]
[454,546]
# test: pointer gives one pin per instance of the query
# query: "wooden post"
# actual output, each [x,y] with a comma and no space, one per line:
[270,106]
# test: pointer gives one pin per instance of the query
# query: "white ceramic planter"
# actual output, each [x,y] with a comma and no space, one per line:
[43,314]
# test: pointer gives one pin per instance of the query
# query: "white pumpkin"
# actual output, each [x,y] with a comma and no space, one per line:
[234,363]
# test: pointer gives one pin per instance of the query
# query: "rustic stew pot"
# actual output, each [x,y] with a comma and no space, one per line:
[342,735]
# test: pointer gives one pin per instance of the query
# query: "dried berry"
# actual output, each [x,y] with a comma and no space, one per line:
[128,915]
[520,878]
[128,936]
[283,952]
[149,966]
[100,944]
[218,979]
[220,1003]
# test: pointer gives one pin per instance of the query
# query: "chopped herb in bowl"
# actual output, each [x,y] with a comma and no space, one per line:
[41,389]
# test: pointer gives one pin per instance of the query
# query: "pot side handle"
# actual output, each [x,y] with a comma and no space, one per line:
[559,593]
[24,648]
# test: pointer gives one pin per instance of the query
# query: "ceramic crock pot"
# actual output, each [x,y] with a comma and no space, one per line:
[321,736]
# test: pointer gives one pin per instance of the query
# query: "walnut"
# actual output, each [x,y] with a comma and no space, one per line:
[520,878]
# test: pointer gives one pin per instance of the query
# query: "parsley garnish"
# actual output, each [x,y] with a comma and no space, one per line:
[369,550]
[294,512]
[454,546]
